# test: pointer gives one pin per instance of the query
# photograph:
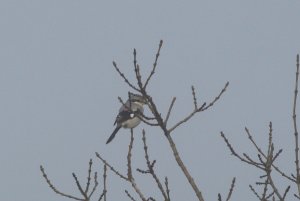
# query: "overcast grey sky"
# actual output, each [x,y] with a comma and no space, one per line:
[58,89]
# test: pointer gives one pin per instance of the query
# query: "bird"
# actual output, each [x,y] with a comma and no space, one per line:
[129,114]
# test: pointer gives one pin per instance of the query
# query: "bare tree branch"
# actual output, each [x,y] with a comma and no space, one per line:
[233,152]
[264,194]
[265,164]
[254,192]
[200,109]
[169,111]
[250,137]
[123,76]
[95,185]
[89,176]
[219,197]
[194,97]
[79,187]
[130,196]
[216,98]
[296,128]
[231,189]
[184,169]
[151,169]
[187,118]
[154,64]
[167,188]
[167,132]
[111,167]
[286,191]
[162,123]
[129,171]
[104,181]
[55,189]
[129,177]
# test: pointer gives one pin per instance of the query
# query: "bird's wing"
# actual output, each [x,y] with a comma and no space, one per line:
[126,106]
[123,116]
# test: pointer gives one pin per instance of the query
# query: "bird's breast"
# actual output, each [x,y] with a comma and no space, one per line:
[131,123]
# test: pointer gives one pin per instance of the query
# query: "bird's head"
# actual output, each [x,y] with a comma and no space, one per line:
[136,98]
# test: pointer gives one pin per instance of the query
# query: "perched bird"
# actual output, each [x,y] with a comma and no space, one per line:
[129,114]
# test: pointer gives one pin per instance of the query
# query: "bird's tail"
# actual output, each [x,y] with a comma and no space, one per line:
[111,137]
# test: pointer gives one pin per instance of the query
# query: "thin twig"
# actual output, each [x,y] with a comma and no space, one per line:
[187,118]
[138,76]
[150,167]
[95,185]
[270,145]
[79,187]
[264,194]
[271,195]
[237,155]
[194,97]
[231,189]
[251,160]
[89,176]
[216,98]
[130,196]
[255,193]
[219,197]
[154,64]
[104,181]
[274,187]
[167,188]
[268,164]
[200,109]
[286,191]
[55,189]
[143,118]
[137,70]
[169,111]
[296,127]
[129,170]
[250,137]
[111,167]
[101,196]
[147,118]
[123,76]
[143,171]
[276,155]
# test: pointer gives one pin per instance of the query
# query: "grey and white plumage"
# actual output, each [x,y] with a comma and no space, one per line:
[129,114]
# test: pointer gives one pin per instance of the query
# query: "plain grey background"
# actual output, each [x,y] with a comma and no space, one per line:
[59,90]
